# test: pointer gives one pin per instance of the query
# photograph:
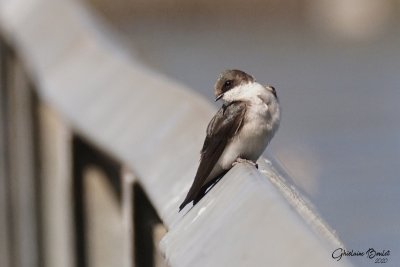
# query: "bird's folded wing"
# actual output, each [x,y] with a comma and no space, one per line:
[221,129]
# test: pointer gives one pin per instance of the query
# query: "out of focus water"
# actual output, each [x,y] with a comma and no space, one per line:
[340,134]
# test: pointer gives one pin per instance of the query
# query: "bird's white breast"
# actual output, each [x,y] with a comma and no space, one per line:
[252,138]
[259,126]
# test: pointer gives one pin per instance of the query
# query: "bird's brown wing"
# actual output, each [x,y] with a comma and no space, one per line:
[223,126]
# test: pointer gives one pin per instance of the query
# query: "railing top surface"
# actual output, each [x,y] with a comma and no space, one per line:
[156,126]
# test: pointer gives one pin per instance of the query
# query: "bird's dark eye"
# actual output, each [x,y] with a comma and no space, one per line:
[227,84]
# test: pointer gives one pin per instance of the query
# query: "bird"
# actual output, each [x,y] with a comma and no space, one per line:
[238,133]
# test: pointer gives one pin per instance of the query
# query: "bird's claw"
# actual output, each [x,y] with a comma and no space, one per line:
[240,160]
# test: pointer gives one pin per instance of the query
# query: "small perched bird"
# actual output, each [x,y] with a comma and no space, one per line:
[239,132]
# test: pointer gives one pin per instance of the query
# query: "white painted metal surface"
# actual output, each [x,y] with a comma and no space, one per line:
[56,183]
[245,221]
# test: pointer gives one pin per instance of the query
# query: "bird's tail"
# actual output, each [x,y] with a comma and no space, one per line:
[202,192]
[184,203]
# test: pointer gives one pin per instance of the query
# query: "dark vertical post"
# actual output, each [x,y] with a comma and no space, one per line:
[6,251]
[83,156]
[19,163]
[34,105]
[145,218]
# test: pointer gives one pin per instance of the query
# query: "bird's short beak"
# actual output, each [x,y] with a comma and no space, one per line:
[219,97]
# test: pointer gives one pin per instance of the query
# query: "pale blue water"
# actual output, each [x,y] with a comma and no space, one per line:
[340,134]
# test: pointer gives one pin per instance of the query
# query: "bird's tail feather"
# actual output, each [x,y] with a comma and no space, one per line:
[202,192]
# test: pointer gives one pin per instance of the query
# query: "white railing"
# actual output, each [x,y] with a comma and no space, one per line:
[112,133]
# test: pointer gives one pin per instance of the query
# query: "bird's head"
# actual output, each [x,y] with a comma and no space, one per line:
[230,80]
[234,85]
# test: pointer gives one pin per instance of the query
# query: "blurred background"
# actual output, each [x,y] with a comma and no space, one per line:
[336,68]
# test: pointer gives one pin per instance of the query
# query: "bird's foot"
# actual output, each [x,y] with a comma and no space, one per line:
[240,160]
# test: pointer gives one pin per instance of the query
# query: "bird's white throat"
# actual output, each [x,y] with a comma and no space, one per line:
[245,92]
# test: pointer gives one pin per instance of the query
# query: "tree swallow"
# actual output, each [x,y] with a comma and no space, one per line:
[239,132]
